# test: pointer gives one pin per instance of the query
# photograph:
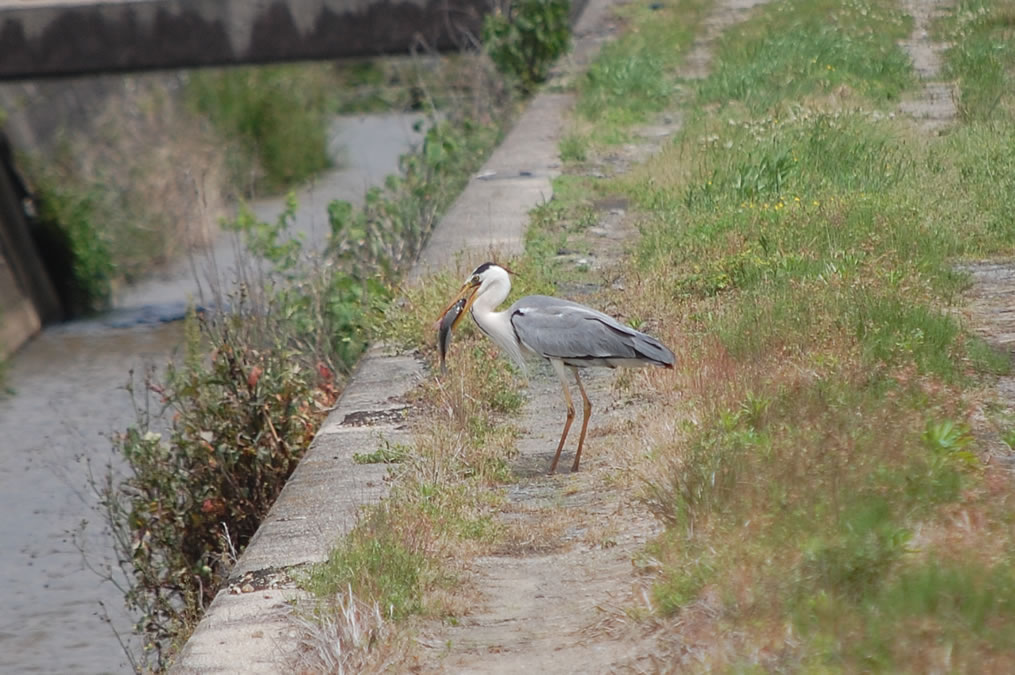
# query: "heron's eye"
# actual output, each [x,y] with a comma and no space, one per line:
[475,278]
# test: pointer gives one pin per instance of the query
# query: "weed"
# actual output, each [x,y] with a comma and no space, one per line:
[573,148]
[341,635]
[386,454]
[1008,437]
[70,220]
[525,39]
[867,544]
[377,560]
[275,113]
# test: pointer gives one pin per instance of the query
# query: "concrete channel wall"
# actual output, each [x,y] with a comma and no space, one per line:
[27,298]
[246,629]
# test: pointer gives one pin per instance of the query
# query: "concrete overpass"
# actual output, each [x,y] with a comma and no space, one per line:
[40,38]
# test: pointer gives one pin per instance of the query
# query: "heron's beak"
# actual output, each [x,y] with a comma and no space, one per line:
[468,291]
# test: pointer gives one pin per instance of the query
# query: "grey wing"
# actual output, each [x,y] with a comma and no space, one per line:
[581,336]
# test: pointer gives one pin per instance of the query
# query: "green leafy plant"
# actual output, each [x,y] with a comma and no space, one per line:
[69,225]
[524,39]
[194,494]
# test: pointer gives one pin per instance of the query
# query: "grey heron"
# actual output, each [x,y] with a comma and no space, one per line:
[563,332]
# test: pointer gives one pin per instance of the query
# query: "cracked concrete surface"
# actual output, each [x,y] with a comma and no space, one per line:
[934,106]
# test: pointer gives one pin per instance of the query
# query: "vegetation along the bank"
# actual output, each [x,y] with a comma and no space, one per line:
[829,463]
[220,431]
[830,489]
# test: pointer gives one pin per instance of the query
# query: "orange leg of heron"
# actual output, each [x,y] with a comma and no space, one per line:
[587,404]
[559,367]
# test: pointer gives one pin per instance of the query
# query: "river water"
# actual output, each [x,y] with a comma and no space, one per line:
[69,396]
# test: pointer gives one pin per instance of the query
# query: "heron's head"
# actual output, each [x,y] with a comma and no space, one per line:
[482,279]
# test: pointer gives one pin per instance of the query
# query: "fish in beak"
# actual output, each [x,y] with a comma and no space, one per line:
[451,316]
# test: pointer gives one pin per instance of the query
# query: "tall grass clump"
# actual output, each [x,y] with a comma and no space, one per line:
[980,57]
[799,241]
[276,114]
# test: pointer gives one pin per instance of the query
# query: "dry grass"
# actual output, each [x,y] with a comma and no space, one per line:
[339,638]
[156,174]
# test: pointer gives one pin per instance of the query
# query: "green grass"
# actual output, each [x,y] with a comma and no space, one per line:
[574,148]
[276,114]
[800,242]
[981,57]
[812,48]
[634,76]
[377,563]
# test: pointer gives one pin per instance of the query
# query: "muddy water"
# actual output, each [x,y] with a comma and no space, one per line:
[69,396]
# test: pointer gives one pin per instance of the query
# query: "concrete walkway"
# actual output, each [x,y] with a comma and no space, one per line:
[246,629]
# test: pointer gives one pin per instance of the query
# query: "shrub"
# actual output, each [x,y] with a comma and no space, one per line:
[195,494]
[524,40]
[67,229]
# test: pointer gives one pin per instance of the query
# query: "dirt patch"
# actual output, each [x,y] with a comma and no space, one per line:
[934,106]
[990,304]
[556,595]
[990,312]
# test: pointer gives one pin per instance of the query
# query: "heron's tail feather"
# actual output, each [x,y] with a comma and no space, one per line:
[652,350]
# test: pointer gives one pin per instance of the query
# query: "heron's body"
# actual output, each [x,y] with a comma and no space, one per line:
[563,332]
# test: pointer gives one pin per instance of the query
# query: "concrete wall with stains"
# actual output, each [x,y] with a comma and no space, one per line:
[39,39]
[27,298]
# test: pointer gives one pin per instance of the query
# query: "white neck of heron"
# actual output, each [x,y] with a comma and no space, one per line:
[496,324]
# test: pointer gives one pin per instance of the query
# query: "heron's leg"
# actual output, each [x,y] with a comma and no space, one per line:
[585,420]
[559,367]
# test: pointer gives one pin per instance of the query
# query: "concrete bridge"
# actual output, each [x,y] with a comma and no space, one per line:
[41,38]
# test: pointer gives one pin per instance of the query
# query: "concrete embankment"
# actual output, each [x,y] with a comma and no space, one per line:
[246,627]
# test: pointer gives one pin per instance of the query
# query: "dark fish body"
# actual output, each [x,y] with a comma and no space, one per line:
[444,331]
